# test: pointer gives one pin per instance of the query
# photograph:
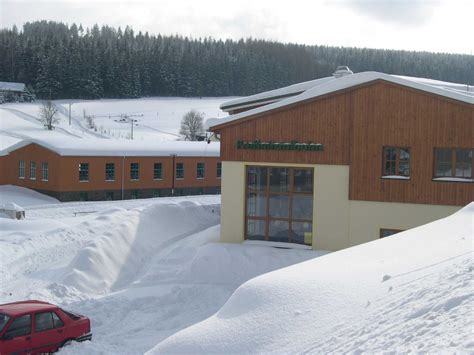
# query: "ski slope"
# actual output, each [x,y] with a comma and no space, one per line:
[154,118]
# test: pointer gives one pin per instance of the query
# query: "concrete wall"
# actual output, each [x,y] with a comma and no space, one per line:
[337,221]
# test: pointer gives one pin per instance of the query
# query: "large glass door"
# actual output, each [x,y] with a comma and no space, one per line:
[279,204]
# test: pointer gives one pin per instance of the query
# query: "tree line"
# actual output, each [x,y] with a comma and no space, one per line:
[58,61]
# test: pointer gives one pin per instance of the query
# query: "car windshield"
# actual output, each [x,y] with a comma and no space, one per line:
[3,320]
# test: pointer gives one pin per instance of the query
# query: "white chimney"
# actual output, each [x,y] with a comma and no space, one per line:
[341,71]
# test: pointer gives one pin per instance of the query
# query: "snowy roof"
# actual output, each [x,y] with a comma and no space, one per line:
[115,147]
[7,86]
[315,88]
[273,95]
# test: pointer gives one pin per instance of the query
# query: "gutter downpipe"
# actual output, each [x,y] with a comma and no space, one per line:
[173,170]
[123,173]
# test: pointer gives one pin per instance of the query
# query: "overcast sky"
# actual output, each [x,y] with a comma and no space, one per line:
[433,25]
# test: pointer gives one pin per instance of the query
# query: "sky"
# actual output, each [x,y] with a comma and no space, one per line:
[431,25]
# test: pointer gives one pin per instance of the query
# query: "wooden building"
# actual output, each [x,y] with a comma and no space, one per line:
[91,169]
[344,160]
[10,92]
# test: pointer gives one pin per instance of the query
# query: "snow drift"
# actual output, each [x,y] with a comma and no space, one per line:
[409,292]
[113,259]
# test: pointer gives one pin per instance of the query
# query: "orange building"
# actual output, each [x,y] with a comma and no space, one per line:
[90,169]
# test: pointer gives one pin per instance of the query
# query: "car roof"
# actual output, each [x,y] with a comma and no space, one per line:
[25,307]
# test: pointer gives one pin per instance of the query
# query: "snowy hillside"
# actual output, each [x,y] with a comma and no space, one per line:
[412,292]
[156,118]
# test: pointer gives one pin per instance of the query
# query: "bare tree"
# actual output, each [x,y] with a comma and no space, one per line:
[192,125]
[47,115]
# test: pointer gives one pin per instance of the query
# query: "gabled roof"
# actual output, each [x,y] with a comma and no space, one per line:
[460,92]
[7,86]
[115,147]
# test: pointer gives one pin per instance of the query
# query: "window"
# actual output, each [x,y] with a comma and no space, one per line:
[134,171]
[45,171]
[3,320]
[200,170]
[47,321]
[109,171]
[219,170]
[388,232]
[83,171]
[396,161]
[43,321]
[157,171]
[279,204]
[21,169]
[179,170]
[19,327]
[453,163]
[32,170]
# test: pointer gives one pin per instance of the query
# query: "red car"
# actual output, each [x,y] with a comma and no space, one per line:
[35,327]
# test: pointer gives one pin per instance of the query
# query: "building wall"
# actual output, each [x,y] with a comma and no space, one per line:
[354,125]
[391,115]
[337,221]
[64,181]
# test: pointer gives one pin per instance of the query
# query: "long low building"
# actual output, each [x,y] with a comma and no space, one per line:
[72,169]
[344,160]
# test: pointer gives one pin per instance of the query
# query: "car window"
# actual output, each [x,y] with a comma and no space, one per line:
[3,320]
[58,323]
[71,315]
[19,327]
[43,321]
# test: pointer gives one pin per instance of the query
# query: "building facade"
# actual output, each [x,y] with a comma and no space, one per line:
[78,170]
[347,161]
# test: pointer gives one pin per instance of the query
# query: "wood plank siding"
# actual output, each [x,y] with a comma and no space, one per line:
[354,125]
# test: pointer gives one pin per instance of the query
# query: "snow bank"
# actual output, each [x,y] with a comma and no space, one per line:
[409,292]
[23,196]
[113,259]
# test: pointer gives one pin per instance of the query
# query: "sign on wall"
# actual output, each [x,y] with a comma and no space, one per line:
[292,146]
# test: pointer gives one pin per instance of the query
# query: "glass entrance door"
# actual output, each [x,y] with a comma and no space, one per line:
[279,204]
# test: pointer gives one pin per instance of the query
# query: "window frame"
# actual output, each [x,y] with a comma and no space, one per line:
[44,168]
[137,171]
[177,169]
[158,167]
[267,193]
[84,169]
[219,170]
[395,231]
[33,170]
[107,171]
[453,163]
[397,162]
[200,170]
[21,169]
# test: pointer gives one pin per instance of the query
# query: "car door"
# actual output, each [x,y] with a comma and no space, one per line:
[48,332]
[17,337]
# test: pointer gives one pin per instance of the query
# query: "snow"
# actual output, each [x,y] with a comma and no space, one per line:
[332,85]
[111,147]
[453,179]
[407,293]
[140,269]
[23,196]
[395,177]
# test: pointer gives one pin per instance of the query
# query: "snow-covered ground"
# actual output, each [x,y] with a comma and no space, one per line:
[157,118]
[140,269]
[412,292]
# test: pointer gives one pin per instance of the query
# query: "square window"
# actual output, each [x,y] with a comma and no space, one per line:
[200,170]
[157,171]
[109,171]
[179,170]
[396,161]
[219,170]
